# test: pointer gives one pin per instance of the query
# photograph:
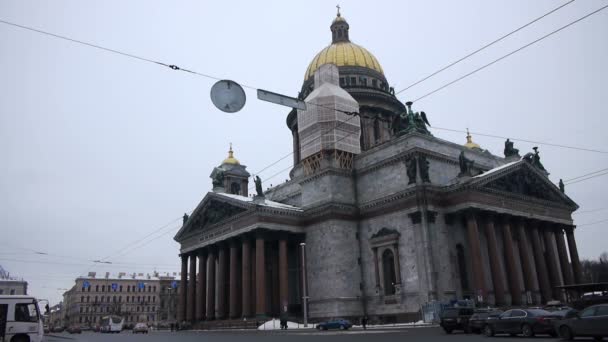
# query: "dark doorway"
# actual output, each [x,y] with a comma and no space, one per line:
[388,267]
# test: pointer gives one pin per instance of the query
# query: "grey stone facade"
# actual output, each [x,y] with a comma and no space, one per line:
[382,235]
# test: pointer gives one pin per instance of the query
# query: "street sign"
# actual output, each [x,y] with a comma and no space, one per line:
[86,284]
[283,100]
[114,286]
[228,96]
[174,284]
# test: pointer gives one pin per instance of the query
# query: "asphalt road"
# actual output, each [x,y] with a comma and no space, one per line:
[425,334]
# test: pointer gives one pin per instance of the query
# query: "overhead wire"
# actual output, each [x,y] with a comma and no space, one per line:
[589,211]
[510,54]
[587,178]
[177,68]
[484,47]
[585,175]
[523,140]
[592,223]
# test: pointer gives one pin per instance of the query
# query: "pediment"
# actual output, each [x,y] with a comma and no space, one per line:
[212,210]
[524,181]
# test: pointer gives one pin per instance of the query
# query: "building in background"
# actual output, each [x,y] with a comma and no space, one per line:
[137,297]
[11,285]
[391,218]
[54,317]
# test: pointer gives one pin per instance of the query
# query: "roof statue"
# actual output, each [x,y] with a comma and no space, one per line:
[562,187]
[534,159]
[510,151]
[466,165]
[423,165]
[185,218]
[410,167]
[410,122]
[218,178]
[258,186]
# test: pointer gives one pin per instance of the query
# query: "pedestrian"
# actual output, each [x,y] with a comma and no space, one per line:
[364,322]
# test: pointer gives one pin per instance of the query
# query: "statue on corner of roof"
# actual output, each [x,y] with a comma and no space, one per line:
[562,187]
[510,151]
[258,186]
[466,165]
[218,178]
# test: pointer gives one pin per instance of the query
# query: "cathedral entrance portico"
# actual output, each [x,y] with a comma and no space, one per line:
[251,275]
[548,265]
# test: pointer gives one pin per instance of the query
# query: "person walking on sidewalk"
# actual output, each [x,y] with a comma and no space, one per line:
[364,322]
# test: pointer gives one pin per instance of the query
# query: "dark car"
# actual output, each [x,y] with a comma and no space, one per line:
[591,322]
[456,319]
[74,329]
[527,322]
[477,322]
[339,323]
[57,329]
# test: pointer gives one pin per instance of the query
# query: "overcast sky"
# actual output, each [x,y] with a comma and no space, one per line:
[99,150]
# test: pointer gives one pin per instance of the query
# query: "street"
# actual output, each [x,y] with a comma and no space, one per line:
[427,334]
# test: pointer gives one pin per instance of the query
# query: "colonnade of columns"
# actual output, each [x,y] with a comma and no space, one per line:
[243,279]
[548,260]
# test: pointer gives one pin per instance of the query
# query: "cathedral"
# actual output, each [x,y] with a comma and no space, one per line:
[378,218]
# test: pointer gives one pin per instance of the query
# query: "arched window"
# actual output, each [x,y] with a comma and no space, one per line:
[462,267]
[388,268]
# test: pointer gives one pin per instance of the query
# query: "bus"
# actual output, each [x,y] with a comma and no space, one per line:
[111,324]
[20,319]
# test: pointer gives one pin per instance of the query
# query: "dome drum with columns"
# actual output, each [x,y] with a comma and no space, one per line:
[362,76]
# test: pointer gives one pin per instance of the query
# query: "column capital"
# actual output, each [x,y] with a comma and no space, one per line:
[569,229]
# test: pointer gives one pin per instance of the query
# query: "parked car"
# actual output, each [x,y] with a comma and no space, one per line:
[46,329]
[140,328]
[339,323]
[456,319]
[591,322]
[556,306]
[74,329]
[527,322]
[57,329]
[477,322]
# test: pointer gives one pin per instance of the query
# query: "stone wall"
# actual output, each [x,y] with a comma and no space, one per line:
[332,269]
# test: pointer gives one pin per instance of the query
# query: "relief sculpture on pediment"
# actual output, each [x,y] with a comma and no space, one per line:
[218,211]
[527,184]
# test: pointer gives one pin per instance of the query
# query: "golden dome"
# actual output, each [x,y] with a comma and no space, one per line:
[344,54]
[470,144]
[231,159]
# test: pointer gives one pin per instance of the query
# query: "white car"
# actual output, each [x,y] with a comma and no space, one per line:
[140,328]
[22,317]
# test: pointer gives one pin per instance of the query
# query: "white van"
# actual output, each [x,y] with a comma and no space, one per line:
[20,319]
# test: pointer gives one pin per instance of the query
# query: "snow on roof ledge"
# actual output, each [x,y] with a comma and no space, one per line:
[266,203]
[497,169]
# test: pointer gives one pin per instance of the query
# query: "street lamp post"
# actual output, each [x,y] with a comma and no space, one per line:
[304,294]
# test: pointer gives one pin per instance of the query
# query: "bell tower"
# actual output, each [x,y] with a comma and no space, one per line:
[231,177]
